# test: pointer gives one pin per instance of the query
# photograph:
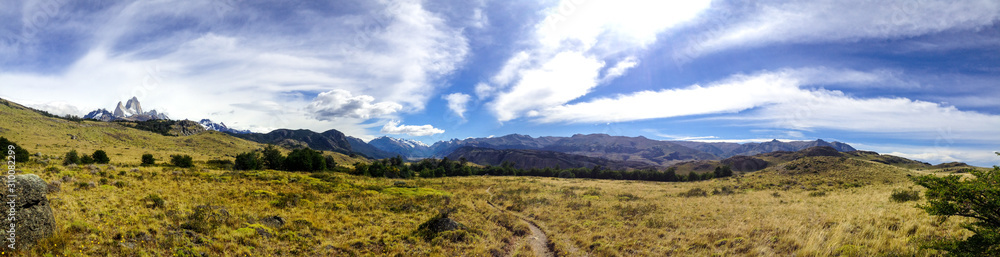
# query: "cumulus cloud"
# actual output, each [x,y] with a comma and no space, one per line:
[395,51]
[573,44]
[340,103]
[734,25]
[393,127]
[457,103]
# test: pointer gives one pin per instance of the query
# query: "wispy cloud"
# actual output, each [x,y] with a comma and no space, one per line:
[738,24]
[782,100]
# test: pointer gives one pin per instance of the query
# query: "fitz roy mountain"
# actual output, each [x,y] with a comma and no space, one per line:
[131,111]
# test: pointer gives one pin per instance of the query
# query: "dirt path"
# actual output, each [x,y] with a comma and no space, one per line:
[537,240]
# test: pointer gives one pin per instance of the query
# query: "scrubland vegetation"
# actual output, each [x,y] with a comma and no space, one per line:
[144,203]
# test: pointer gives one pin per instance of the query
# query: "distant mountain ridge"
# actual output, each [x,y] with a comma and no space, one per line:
[538,159]
[726,150]
[221,127]
[404,147]
[131,111]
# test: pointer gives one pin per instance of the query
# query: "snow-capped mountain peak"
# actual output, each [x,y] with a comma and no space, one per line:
[221,127]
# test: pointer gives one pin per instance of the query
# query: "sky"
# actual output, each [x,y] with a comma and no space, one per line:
[917,79]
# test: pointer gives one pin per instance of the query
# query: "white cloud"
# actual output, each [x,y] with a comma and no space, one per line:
[457,103]
[57,108]
[938,153]
[781,100]
[565,77]
[779,22]
[395,51]
[619,69]
[340,103]
[393,127]
[571,47]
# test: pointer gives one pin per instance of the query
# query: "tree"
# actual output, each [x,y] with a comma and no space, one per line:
[272,158]
[977,198]
[147,159]
[671,174]
[331,164]
[71,158]
[247,161]
[724,171]
[101,157]
[304,159]
[20,154]
[183,161]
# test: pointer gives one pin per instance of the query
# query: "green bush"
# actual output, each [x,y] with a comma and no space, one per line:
[147,160]
[694,192]
[71,158]
[247,161]
[899,195]
[153,201]
[305,160]
[183,161]
[101,157]
[86,159]
[20,154]
[272,158]
[977,198]
[817,193]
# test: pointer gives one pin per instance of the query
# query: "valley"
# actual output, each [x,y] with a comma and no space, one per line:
[818,201]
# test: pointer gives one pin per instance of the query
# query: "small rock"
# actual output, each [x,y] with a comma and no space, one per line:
[272,221]
[55,186]
[67,178]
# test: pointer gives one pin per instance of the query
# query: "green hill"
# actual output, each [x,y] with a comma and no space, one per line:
[52,137]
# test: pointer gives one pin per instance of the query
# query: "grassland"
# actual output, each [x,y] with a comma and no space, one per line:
[817,206]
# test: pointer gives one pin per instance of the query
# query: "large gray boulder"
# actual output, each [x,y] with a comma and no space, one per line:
[33,220]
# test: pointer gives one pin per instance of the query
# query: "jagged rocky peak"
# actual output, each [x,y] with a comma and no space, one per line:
[133,106]
[130,110]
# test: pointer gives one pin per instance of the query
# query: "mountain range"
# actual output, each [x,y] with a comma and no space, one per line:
[577,151]
[131,111]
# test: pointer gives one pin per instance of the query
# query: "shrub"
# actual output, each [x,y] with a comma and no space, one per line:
[305,159]
[153,201]
[147,160]
[900,196]
[694,192]
[247,161]
[86,159]
[71,158]
[101,157]
[977,198]
[183,161]
[817,193]
[272,158]
[20,154]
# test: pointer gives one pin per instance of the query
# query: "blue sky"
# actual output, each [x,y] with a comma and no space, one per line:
[917,79]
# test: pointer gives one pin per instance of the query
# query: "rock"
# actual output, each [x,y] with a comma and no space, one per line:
[33,219]
[55,186]
[440,223]
[67,178]
[272,221]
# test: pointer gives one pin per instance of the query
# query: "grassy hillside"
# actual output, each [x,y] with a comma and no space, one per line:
[53,137]
[810,205]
